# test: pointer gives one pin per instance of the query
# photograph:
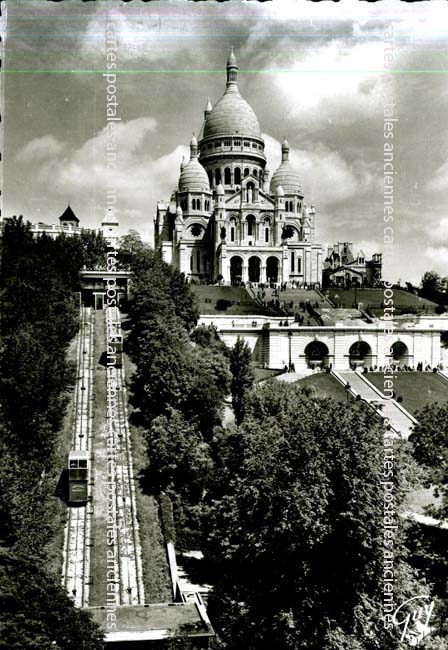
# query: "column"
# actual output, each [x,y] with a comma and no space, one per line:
[245,277]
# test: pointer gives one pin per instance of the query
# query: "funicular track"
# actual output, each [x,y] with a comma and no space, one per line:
[129,562]
[77,533]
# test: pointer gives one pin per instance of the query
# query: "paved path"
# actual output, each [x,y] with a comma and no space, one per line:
[291,377]
[398,417]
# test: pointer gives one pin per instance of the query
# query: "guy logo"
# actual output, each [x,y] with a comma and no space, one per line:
[413,618]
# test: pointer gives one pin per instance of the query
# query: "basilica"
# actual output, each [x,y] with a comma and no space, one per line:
[227,221]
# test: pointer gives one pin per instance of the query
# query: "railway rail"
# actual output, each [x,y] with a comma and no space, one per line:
[129,564]
[77,533]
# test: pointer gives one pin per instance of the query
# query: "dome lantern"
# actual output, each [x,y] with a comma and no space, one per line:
[193,147]
[232,69]
[285,150]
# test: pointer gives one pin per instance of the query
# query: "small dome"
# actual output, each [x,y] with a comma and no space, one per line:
[285,175]
[179,211]
[280,191]
[193,177]
[220,189]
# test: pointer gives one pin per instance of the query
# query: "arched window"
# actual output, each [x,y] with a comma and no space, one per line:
[266,235]
[291,206]
[246,171]
[237,176]
[286,206]
[217,176]
[191,262]
[193,204]
[227,176]
[232,233]
[255,172]
[210,177]
[250,225]
[299,265]
[292,262]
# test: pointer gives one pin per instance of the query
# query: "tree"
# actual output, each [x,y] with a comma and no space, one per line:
[430,448]
[242,376]
[294,526]
[431,282]
[37,613]
[179,459]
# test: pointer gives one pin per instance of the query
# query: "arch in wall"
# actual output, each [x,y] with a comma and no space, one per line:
[360,354]
[399,353]
[236,269]
[227,179]
[272,269]
[237,176]
[254,268]
[316,354]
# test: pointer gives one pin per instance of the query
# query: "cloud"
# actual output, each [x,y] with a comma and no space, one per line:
[138,178]
[333,84]
[438,258]
[439,182]
[40,149]
[327,179]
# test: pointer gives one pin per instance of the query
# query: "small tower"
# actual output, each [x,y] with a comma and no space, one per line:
[208,108]
[68,218]
[109,228]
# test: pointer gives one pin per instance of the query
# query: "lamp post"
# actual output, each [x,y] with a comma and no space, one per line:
[290,349]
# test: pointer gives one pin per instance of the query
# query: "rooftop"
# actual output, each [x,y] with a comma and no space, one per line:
[152,622]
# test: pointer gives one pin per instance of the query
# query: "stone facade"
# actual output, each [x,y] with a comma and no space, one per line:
[344,268]
[226,220]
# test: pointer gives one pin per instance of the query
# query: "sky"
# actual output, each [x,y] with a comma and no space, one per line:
[320,74]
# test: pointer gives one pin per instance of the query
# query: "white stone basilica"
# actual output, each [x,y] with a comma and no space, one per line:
[226,221]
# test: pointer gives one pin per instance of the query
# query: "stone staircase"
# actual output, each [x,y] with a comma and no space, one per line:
[400,419]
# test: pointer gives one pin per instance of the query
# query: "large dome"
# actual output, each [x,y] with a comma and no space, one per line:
[193,177]
[285,176]
[231,114]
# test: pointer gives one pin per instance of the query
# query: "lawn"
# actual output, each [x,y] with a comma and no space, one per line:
[373,299]
[325,385]
[262,374]
[240,302]
[416,388]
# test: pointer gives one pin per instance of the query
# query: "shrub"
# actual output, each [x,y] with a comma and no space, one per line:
[167,519]
[222,304]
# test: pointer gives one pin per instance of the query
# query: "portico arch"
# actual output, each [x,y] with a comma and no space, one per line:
[236,269]
[272,269]
[254,268]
